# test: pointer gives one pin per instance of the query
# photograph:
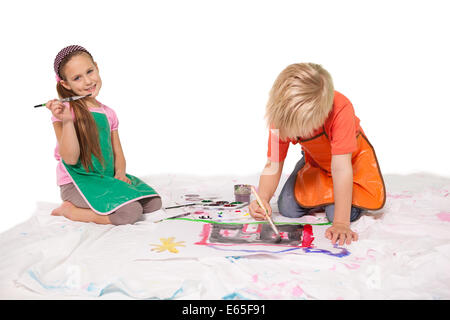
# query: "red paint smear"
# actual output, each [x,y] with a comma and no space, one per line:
[307,236]
[204,234]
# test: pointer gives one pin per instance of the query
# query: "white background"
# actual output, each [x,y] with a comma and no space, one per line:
[189,81]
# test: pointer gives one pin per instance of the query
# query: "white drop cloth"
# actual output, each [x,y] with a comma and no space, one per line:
[403,252]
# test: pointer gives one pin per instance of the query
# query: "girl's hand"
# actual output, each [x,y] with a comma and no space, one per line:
[122,177]
[341,232]
[59,110]
[257,212]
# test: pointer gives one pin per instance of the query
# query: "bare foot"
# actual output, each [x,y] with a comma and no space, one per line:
[63,210]
[71,212]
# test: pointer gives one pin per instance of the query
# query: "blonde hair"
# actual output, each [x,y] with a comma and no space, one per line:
[300,100]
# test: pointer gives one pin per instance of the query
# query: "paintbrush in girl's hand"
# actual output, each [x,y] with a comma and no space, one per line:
[66,100]
[274,228]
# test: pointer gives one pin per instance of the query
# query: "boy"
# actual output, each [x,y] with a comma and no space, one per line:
[339,171]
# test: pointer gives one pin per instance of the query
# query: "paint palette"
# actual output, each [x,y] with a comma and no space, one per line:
[212,203]
[222,205]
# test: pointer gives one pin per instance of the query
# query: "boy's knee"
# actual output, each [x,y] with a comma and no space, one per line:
[128,214]
[287,206]
[355,213]
[329,211]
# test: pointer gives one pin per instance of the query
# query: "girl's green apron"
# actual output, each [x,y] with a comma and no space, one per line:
[104,193]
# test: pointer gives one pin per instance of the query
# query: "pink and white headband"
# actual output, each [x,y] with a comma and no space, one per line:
[64,53]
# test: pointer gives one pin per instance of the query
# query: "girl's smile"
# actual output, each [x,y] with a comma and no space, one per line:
[91,89]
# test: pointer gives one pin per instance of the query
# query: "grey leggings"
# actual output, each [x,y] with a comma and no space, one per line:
[288,206]
[127,214]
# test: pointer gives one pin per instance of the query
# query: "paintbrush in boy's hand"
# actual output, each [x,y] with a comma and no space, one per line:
[66,100]
[274,228]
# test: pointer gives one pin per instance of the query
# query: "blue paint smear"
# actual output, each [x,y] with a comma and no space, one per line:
[232,258]
[248,250]
[176,293]
[344,252]
[91,287]
[35,278]
[234,296]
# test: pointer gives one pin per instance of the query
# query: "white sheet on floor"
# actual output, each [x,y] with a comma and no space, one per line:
[403,252]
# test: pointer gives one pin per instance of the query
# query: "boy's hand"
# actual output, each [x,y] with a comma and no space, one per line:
[257,212]
[341,232]
[122,177]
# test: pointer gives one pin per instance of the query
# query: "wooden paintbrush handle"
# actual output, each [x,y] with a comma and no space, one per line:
[258,199]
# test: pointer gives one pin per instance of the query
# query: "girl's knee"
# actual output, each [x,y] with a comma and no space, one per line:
[152,204]
[128,214]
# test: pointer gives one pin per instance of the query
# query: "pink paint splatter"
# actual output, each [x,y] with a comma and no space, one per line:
[359,258]
[333,268]
[444,216]
[398,196]
[352,265]
[271,287]
[297,291]
[369,251]
[255,278]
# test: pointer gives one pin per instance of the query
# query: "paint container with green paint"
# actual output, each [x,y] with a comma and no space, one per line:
[242,192]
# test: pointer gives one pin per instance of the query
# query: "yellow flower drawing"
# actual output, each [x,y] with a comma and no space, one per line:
[168,244]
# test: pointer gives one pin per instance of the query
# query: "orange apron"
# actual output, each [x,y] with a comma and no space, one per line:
[314,183]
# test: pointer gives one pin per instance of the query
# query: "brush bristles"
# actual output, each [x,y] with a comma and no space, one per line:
[278,239]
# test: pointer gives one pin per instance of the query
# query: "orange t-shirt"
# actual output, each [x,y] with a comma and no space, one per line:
[341,127]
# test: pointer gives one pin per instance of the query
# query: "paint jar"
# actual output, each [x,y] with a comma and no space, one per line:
[242,192]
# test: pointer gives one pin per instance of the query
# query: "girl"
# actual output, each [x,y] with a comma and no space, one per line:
[91,170]
[339,171]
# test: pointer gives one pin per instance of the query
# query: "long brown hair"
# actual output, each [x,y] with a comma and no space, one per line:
[85,125]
